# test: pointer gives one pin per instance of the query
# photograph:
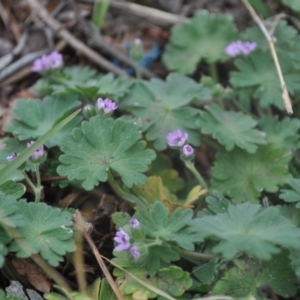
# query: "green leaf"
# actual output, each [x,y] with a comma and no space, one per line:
[281,134]
[216,203]
[246,277]
[104,144]
[243,176]
[9,297]
[10,217]
[47,231]
[172,280]
[249,228]
[162,107]
[67,75]
[205,272]
[35,118]
[7,171]
[292,4]
[9,212]
[204,37]
[231,128]
[13,189]
[171,180]
[100,86]
[12,145]
[258,70]
[293,194]
[4,240]
[175,228]
[283,33]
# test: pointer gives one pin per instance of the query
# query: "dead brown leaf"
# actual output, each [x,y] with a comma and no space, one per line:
[33,274]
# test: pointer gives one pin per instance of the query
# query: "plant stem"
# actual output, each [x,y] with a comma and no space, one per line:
[192,168]
[29,181]
[195,255]
[38,184]
[138,71]
[99,12]
[211,144]
[115,185]
[214,72]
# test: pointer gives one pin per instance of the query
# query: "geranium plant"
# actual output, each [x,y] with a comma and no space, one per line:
[206,172]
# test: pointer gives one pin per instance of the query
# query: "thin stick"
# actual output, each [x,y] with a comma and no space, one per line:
[269,38]
[156,16]
[79,224]
[97,41]
[72,40]
[25,71]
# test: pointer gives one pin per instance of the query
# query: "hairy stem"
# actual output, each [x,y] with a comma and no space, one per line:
[192,168]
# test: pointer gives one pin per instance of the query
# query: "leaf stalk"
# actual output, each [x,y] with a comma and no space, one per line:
[192,168]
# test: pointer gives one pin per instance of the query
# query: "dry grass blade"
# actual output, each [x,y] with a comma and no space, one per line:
[80,226]
[285,95]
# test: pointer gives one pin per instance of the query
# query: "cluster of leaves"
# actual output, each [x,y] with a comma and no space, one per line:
[253,153]
[31,228]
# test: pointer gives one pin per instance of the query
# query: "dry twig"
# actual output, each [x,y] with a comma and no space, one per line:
[285,95]
[25,71]
[156,16]
[80,226]
[72,40]
[91,32]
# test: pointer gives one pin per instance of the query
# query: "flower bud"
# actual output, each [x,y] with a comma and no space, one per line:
[139,251]
[138,234]
[105,107]
[136,50]
[39,155]
[89,111]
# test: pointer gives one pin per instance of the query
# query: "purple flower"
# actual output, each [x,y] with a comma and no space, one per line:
[240,47]
[134,224]
[51,61]
[135,252]
[12,156]
[122,238]
[137,41]
[37,153]
[188,150]
[106,105]
[177,138]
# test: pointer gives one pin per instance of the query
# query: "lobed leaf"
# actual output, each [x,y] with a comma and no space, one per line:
[231,128]
[243,176]
[250,228]
[101,145]
[162,107]
[10,215]
[292,195]
[7,172]
[281,134]
[294,5]
[174,228]
[249,276]
[258,71]
[204,37]
[47,231]
[35,118]
[106,86]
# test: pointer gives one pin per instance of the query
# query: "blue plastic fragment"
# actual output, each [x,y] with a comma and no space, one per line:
[146,60]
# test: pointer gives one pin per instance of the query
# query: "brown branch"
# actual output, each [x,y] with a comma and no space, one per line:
[72,40]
